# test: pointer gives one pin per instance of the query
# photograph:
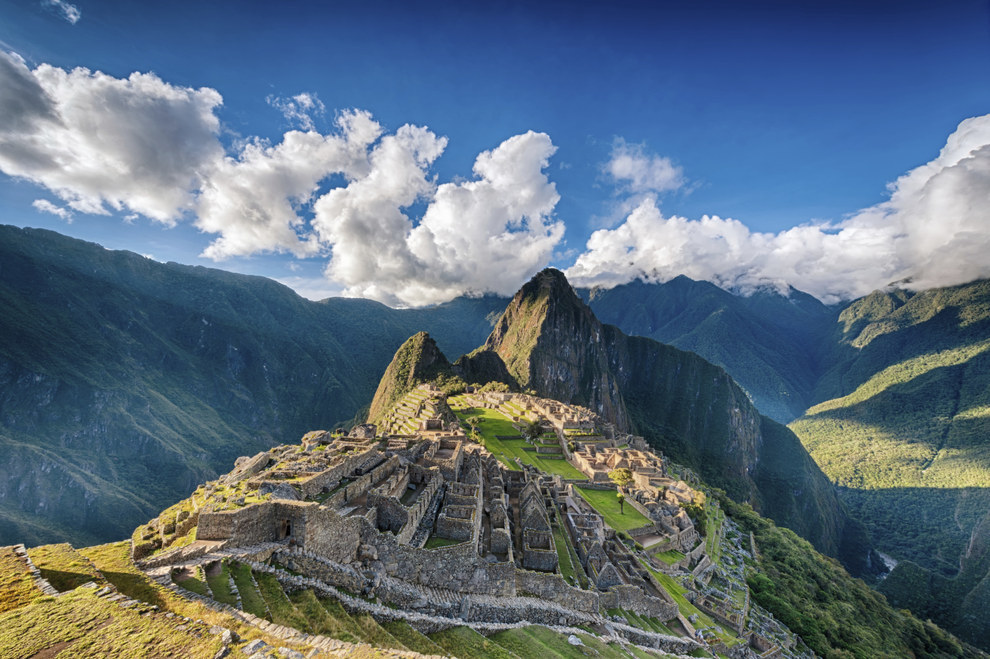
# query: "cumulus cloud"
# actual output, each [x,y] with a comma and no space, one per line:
[933,231]
[254,201]
[639,172]
[97,141]
[484,235]
[141,146]
[299,109]
[45,206]
[67,11]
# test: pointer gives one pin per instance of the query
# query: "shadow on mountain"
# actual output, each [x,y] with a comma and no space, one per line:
[942,539]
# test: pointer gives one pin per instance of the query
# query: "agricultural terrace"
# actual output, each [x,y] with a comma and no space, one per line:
[494,423]
[607,505]
[688,609]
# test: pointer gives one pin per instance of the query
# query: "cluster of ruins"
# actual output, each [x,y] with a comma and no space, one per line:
[429,507]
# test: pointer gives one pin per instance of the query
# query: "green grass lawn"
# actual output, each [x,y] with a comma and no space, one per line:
[465,643]
[320,620]
[435,542]
[713,531]
[63,566]
[607,505]
[250,597]
[220,586]
[563,556]
[670,556]
[494,423]
[283,611]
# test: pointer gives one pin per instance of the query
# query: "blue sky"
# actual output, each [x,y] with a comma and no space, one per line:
[642,119]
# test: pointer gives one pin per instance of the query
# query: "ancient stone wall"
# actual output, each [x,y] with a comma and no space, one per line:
[248,526]
[553,588]
[634,599]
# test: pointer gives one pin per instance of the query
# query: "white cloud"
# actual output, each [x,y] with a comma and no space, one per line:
[299,109]
[638,172]
[311,288]
[97,141]
[45,206]
[253,200]
[67,11]
[934,229]
[485,235]
[143,147]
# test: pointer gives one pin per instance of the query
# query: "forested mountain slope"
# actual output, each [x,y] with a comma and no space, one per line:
[768,342]
[905,432]
[125,382]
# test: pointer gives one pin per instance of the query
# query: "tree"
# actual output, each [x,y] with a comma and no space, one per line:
[533,430]
[474,422]
[621,477]
[622,499]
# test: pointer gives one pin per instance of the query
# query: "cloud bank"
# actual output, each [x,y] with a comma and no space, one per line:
[933,231]
[364,200]
[101,143]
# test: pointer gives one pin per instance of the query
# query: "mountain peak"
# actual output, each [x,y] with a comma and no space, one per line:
[417,360]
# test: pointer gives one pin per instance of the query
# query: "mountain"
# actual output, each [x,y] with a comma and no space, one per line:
[904,430]
[551,342]
[769,342]
[125,382]
[417,360]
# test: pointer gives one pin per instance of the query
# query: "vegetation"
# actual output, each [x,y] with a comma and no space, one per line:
[493,424]
[411,638]
[836,615]
[903,431]
[63,567]
[16,584]
[465,643]
[768,342]
[283,612]
[621,477]
[607,505]
[251,599]
[80,624]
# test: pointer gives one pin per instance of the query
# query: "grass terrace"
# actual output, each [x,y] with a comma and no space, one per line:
[607,505]
[688,609]
[670,556]
[80,624]
[436,542]
[16,583]
[493,424]
[63,567]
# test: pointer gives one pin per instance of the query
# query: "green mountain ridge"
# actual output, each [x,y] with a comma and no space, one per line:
[768,342]
[906,434]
